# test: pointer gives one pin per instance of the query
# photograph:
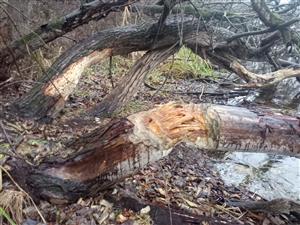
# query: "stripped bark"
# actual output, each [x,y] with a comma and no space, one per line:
[46,33]
[48,96]
[253,80]
[262,80]
[122,147]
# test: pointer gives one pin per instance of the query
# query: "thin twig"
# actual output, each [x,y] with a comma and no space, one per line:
[271,29]
[6,135]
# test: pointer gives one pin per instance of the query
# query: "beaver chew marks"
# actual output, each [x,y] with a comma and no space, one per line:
[177,122]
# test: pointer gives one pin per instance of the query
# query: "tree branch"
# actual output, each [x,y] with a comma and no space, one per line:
[46,33]
[271,29]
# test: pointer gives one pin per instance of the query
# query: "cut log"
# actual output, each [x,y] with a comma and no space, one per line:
[122,147]
[46,33]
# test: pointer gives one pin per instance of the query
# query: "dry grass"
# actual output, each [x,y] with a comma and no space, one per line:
[12,203]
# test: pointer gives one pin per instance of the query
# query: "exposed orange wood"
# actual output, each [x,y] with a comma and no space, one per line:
[120,148]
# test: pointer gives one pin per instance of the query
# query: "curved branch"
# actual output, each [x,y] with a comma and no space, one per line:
[262,80]
[46,33]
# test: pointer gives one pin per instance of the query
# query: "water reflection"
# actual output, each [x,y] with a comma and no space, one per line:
[270,176]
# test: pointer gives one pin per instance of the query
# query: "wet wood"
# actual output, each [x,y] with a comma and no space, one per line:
[275,206]
[120,148]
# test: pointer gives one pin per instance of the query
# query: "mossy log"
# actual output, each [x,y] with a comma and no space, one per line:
[120,148]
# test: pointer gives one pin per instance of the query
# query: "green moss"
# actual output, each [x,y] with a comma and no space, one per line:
[56,25]
[275,19]
[185,64]
[26,39]
[131,108]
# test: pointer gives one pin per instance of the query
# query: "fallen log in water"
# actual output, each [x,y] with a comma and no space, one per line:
[120,148]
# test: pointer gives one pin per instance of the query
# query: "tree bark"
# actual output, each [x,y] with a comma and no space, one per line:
[46,33]
[130,84]
[118,149]
[253,80]
[48,97]
[187,9]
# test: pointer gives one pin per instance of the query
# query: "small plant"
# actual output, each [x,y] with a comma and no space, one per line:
[186,63]
[6,216]
[119,66]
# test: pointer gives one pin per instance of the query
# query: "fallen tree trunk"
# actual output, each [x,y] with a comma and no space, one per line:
[48,97]
[46,33]
[123,146]
[187,10]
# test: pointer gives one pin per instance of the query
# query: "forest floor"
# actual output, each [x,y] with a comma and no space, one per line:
[183,182]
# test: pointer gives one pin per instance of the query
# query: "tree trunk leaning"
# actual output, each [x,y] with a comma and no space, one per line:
[117,150]
[48,97]
[129,85]
[48,32]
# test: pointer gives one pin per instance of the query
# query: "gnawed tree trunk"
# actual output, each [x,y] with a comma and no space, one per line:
[46,33]
[48,96]
[120,148]
[130,84]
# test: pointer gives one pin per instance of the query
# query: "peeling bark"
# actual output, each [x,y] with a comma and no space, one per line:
[113,152]
[262,80]
[47,97]
[253,80]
